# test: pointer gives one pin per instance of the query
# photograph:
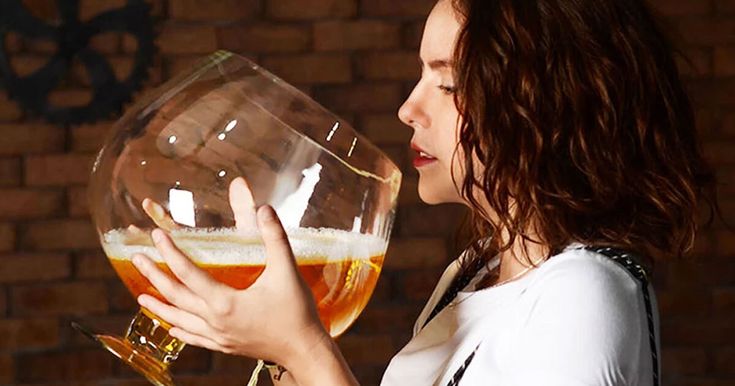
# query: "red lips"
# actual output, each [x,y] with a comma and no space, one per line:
[423,158]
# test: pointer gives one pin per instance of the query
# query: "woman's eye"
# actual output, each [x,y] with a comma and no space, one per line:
[449,90]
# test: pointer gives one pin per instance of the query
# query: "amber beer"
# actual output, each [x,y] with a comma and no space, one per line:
[340,267]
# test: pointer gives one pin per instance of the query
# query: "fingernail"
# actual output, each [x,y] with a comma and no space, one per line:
[157,235]
[266,212]
[137,260]
[142,301]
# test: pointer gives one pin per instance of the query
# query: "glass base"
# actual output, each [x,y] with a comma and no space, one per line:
[145,364]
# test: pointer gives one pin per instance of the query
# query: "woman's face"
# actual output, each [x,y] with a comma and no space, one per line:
[431,112]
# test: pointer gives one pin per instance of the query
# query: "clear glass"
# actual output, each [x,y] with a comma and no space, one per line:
[169,162]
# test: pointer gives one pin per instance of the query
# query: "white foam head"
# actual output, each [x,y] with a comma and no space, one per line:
[225,246]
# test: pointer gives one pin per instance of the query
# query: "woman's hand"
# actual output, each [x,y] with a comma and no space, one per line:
[274,319]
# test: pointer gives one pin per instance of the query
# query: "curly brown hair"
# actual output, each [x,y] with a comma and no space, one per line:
[584,132]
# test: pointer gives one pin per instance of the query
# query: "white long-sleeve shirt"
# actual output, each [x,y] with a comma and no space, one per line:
[578,319]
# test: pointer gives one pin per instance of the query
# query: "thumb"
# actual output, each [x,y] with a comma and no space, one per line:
[279,255]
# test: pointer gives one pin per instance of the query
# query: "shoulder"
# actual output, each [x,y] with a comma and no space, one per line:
[581,317]
[582,289]
[584,273]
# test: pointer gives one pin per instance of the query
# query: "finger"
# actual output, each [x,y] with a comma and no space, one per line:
[159,216]
[173,291]
[196,340]
[243,205]
[198,281]
[175,316]
[277,248]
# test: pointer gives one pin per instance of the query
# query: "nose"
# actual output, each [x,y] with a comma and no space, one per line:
[413,111]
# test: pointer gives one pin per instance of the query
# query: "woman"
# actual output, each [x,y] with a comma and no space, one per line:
[564,127]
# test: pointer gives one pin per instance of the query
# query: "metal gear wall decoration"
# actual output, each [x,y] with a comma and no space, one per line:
[72,37]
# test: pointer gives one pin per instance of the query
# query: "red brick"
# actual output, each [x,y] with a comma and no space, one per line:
[30,139]
[220,10]
[60,234]
[692,275]
[413,220]
[10,172]
[77,298]
[720,153]
[89,137]
[356,35]
[78,201]
[193,360]
[385,319]
[707,31]
[683,361]
[695,62]
[415,9]
[3,301]
[106,42]
[64,367]
[58,169]
[390,66]
[724,242]
[70,97]
[9,109]
[13,41]
[264,38]
[7,237]
[725,6]
[398,154]
[16,204]
[30,267]
[178,65]
[409,253]
[24,334]
[373,97]
[683,303]
[311,69]
[698,331]
[727,130]
[39,46]
[310,9]
[219,380]
[120,299]
[418,284]
[91,8]
[94,265]
[724,359]
[26,64]
[385,129]
[682,7]
[189,39]
[724,61]
[232,364]
[723,300]
[409,193]
[412,34]
[353,347]
[7,369]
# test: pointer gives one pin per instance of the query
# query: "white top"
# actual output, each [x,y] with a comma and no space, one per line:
[578,319]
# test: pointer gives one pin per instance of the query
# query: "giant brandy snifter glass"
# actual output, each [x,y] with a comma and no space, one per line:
[169,161]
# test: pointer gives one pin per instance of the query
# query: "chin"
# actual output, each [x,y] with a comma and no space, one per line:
[432,196]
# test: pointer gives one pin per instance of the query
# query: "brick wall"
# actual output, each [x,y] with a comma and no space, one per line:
[358,58]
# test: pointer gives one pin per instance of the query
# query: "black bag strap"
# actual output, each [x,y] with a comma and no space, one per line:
[624,259]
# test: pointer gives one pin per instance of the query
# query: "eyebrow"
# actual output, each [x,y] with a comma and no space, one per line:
[437,64]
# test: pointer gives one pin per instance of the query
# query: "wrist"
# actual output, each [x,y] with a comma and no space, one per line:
[318,361]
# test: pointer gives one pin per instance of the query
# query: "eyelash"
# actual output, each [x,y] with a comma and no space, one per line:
[449,90]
